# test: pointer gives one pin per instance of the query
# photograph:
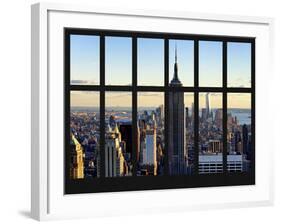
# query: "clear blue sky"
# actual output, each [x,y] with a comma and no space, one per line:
[118,68]
[84,59]
[150,61]
[118,61]
[239,64]
[210,63]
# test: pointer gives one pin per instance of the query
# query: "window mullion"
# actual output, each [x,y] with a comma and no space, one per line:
[135,150]
[196,107]
[224,106]
[102,106]
[166,104]
[253,109]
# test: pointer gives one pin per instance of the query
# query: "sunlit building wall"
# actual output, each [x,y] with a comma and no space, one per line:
[150,149]
[115,164]
[77,159]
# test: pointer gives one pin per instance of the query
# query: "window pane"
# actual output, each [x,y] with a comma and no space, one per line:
[239,64]
[239,132]
[210,133]
[150,62]
[118,134]
[210,63]
[85,134]
[185,61]
[84,60]
[118,61]
[151,144]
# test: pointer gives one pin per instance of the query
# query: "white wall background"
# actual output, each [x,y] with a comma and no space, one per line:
[15,109]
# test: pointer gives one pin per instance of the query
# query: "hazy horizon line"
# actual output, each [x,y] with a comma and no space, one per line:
[151,107]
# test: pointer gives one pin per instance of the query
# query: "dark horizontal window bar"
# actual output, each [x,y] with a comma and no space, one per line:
[143,34]
[160,89]
[157,182]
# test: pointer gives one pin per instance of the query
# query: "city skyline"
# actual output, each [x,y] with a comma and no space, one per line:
[123,99]
[150,143]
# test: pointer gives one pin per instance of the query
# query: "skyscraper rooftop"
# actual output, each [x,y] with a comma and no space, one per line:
[175,81]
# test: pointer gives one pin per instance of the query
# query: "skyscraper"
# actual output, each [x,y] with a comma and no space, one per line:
[208,105]
[186,117]
[218,118]
[245,134]
[176,151]
[150,151]
[115,164]
[126,135]
[77,158]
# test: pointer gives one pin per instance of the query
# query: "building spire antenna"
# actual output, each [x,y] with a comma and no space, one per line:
[175,80]
[176,56]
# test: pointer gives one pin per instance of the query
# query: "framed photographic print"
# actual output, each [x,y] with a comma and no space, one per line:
[150,107]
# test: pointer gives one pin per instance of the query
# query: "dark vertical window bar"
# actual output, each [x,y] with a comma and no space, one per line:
[224,105]
[166,106]
[253,101]
[135,142]
[196,107]
[102,106]
[66,109]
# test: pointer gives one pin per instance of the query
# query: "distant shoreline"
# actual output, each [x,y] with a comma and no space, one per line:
[143,108]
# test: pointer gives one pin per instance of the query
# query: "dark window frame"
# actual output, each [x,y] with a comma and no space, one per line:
[114,184]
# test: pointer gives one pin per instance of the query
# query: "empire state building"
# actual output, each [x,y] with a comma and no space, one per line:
[176,152]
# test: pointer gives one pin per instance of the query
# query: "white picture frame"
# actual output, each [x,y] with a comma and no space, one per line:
[47,198]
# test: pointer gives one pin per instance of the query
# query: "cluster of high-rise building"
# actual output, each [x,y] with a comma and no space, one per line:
[85,136]
[239,141]
[211,142]
[150,159]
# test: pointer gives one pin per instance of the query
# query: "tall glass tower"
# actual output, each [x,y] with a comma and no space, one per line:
[208,105]
[176,152]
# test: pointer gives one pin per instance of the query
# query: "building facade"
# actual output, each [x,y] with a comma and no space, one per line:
[77,159]
[213,163]
[150,151]
[115,163]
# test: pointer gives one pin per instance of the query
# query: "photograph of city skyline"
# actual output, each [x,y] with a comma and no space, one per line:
[157,111]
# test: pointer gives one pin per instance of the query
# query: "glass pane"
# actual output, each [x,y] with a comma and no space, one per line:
[151,143]
[239,64]
[84,60]
[118,134]
[210,63]
[85,134]
[150,62]
[118,61]
[239,132]
[210,133]
[182,52]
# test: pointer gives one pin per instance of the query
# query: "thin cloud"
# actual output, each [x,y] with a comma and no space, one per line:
[150,94]
[83,82]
